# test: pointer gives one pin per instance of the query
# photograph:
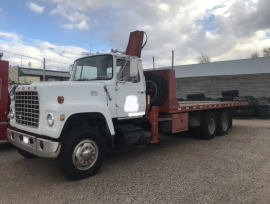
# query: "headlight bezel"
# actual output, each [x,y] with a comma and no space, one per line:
[50,119]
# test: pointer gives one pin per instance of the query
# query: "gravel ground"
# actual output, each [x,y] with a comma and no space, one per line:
[180,169]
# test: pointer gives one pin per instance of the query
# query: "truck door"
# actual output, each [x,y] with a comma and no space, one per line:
[131,101]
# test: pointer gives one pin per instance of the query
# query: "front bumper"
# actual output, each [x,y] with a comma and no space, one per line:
[34,145]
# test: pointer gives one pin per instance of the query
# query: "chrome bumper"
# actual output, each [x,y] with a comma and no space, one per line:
[34,145]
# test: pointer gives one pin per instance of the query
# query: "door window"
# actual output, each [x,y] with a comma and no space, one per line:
[123,71]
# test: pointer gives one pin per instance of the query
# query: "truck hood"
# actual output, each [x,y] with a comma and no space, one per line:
[73,91]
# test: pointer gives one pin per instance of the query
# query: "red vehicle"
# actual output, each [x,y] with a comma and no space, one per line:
[4,101]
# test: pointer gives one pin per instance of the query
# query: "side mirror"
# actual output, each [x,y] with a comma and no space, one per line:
[133,67]
[71,69]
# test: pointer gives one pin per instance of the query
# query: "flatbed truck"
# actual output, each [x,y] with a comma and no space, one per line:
[106,106]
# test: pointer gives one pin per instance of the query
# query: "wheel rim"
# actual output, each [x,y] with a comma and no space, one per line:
[211,126]
[225,123]
[151,85]
[85,154]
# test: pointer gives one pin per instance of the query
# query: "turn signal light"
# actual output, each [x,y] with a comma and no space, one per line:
[62,117]
[60,99]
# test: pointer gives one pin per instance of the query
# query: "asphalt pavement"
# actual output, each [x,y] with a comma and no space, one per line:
[180,169]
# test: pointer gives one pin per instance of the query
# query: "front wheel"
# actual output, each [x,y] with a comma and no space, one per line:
[82,153]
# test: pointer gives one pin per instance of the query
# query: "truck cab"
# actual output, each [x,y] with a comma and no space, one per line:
[104,90]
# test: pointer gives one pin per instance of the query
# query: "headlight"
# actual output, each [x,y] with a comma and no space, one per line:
[12,113]
[50,119]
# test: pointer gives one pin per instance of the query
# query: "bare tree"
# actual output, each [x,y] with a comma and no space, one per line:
[204,58]
[266,51]
[255,54]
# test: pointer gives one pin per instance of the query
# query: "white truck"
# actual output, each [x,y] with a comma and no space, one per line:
[104,107]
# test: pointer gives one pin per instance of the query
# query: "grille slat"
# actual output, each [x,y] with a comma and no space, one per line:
[27,108]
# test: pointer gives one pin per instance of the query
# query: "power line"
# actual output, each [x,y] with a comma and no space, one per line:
[34,57]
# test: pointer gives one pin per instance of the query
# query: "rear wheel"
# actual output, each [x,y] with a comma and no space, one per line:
[26,154]
[223,123]
[82,153]
[209,126]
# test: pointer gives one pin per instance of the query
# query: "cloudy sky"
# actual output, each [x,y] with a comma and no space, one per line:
[60,30]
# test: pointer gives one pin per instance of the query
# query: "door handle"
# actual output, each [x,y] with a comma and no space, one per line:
[142,92]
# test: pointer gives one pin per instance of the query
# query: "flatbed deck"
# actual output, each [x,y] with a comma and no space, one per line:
[186,106]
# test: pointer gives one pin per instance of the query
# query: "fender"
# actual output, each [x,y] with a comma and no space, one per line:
[70,109]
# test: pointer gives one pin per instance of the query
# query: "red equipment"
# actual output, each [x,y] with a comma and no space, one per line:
[3,100]
[135,46]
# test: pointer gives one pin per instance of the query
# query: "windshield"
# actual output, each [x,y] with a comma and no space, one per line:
[93,68]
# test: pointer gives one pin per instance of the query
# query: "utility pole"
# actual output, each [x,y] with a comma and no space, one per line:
[44,71]
[154,62]
[172,58]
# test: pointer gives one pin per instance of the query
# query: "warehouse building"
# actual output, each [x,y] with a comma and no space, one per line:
[28,75]
[249,76]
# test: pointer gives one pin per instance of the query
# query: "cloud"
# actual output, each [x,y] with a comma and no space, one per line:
[34,7]
[224,29]
[13,43]
[2,16]
[76,19]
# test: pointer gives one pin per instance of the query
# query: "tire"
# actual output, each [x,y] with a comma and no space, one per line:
[209,126]
[245,113]
[230,93]
[26,154]
[195,96]
[262,106]
[71,150]
[223,123]
[231,120]
[263,116]
[158,87]
[196,99]
[227,98]
[263,110]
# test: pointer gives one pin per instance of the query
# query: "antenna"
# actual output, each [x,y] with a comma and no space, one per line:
[91,37]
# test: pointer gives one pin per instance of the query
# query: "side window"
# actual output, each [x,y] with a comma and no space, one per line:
[123,71]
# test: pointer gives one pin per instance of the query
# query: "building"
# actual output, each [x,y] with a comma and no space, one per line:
[249,76]
[28,75]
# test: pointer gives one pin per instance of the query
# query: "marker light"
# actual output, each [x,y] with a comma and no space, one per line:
[60,99]
[62,117]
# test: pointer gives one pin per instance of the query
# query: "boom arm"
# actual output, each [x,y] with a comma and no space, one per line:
[135,46]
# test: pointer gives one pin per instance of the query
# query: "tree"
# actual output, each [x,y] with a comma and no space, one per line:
[204,58]
[255,54]
[266,51]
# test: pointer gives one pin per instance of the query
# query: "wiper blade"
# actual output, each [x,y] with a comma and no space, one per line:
[99,77]
[82,79]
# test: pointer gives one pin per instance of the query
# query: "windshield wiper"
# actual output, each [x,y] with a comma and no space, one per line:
[99,77]
[82,79]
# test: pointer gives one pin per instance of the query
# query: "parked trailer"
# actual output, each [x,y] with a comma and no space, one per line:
[4,101]
[105,106]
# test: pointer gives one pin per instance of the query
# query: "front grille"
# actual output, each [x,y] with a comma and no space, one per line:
[27,108]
